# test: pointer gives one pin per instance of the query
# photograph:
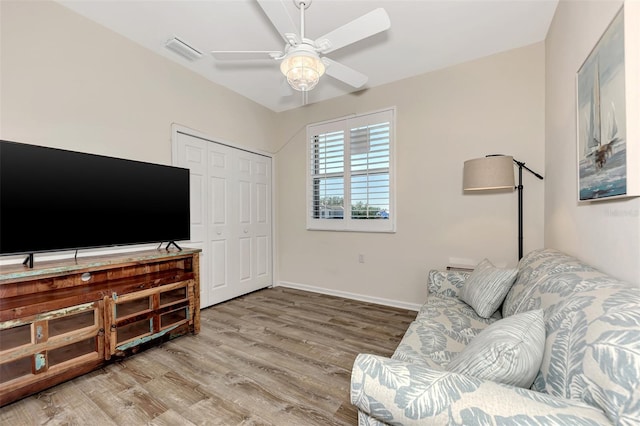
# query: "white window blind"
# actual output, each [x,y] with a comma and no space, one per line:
[350,186]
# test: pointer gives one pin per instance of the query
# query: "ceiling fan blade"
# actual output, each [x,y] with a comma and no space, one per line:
[243,55]
[277,13]
[344,73]
[365,26]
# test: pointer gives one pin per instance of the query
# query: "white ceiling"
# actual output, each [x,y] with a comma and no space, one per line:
[425,35]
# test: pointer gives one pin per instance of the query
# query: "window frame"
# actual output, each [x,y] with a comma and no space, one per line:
[345,124]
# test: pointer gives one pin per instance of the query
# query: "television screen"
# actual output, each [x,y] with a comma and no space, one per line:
[53,199]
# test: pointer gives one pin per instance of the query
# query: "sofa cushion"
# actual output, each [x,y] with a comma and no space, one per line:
[538,267]
[508,351]
[592,349]
[447,283]
[486,287]
[443,327]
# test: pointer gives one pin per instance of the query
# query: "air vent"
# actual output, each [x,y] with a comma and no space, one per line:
[183,49]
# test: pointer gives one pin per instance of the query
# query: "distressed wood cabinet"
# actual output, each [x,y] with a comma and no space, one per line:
[64,318]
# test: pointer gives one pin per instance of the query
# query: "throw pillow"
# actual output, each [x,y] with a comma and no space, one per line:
[508,351]
[486,288]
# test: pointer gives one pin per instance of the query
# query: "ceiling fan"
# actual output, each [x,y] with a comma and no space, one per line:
[300,60]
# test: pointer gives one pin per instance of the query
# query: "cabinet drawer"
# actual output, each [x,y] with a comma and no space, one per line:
[31,346]
[137,317]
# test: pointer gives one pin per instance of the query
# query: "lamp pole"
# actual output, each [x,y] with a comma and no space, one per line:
[520,188]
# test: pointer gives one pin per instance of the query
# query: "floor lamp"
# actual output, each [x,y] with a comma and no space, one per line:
[496,172]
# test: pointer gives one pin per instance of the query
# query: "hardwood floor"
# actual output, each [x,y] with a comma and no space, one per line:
[274,357]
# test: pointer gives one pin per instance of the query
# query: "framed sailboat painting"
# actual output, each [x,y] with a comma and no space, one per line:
[608,162]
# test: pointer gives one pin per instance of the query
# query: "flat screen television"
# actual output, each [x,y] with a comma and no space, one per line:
[53,199]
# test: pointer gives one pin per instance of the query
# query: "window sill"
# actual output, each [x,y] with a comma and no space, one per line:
[380,226]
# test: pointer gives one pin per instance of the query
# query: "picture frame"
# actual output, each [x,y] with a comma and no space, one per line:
[608,107]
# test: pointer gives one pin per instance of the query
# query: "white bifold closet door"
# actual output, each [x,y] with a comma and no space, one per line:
[230,216]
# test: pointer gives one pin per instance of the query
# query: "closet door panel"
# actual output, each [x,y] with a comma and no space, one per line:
[231,216]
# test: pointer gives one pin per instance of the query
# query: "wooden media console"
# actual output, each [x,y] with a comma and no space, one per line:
[65,318]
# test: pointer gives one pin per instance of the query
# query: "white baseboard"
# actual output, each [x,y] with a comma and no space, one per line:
[354,296]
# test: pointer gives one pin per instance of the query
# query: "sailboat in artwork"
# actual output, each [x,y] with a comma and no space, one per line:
[598,148]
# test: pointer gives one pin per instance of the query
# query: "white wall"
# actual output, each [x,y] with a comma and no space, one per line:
[491,105]
[605,234]
[67,82]
[70,83]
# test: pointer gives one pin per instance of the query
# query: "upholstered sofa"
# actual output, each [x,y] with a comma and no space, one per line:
[588,370]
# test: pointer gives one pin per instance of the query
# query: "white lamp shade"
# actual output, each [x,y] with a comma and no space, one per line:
[303,70]
[495,172]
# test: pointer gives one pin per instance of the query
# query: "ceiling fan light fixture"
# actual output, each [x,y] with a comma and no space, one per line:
[303,70]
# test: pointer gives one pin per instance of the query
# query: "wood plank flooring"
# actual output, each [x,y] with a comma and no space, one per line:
[274,357]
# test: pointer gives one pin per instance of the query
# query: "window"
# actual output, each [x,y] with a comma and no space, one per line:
[350,173]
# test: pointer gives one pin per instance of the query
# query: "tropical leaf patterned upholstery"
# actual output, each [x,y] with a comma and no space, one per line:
[590,372]
[486,287]
[442,328]
[446,283]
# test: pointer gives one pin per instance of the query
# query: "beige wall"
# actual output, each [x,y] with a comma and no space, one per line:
[605,234]
[70,83]
[491,105]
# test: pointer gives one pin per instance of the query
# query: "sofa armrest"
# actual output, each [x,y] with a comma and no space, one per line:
[397,392]
[447,283]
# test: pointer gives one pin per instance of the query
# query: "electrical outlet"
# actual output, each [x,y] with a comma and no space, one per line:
[361,258]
